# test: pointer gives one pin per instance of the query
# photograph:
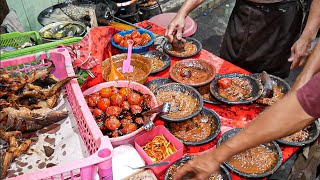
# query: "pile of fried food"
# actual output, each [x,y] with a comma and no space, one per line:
[26,102]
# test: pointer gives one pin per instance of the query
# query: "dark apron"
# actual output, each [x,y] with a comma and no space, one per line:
[259,36]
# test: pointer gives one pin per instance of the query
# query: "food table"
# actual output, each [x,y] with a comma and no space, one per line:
[240,114]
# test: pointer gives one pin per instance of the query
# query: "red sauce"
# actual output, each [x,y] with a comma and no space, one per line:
[240,89]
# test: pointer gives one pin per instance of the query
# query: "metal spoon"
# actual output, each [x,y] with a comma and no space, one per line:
[150,165]
[267,85]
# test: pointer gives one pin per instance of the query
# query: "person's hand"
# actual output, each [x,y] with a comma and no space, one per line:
[201,167]
[175,28]
[299,52]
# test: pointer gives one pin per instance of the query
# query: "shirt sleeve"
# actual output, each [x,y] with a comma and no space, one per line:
[309,96]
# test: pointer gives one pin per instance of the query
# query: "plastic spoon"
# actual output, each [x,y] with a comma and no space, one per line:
[114,73]
[126,67]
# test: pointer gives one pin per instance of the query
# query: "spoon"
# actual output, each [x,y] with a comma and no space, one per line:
[126,66]
[150,165]
[267,85]
[114,73]
[160,110]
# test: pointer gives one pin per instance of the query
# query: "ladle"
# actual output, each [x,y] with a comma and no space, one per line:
[114,73]
[126,66]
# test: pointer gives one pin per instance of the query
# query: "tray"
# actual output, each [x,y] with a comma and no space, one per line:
[100,149]
[16,39]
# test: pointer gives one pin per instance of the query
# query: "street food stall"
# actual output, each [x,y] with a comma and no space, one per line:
[127,104]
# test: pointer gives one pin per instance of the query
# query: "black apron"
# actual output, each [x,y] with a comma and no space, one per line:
[259,36]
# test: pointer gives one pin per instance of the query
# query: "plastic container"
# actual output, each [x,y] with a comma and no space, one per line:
[147,137]
[129,138]
[134,49]
[99,148]
[16,39]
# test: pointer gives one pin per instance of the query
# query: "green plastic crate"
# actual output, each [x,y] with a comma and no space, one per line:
[16,39]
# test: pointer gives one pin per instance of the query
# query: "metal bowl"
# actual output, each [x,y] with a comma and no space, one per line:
[255,94]
[137,61]
[134,49]
[167,46]
[169,176]
[216,122]
[283,85]
[158,55]
[314,134]
[272,146]
[154,84]
[190,91]
[202,65]
[52,25]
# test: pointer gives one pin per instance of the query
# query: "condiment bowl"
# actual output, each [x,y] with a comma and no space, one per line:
[215,128]
[193,72]
[154,84]
[138,62]
[167,47]
[271,146]
[184,89]
[160,56]
[169,174]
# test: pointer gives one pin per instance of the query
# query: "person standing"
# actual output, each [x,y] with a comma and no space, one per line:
[259,34]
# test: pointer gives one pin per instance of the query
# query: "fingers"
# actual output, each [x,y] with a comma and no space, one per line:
[179,33]
[170,32]
[185,172]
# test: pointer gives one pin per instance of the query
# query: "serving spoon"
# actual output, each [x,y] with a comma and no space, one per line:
[150,165]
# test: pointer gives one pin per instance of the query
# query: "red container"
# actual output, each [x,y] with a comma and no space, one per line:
[147,137]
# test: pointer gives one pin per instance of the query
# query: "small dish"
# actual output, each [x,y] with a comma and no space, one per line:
[167,48]
[154,84]
[273,146]
[282,88]
[185,101]
[193,72]
[213,123]
[313,135]
[255,92]
[169,174]
[160,56]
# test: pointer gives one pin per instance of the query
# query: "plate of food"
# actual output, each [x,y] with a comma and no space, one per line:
[222,175]
[236,88]
[193,72]
[185,102]
[160,61]
[154,84]
[302,137]
[191,48]
[206,95]
[257,162]
[200,129]
[280,88]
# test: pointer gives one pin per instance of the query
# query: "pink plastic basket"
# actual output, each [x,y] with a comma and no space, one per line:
[97,145]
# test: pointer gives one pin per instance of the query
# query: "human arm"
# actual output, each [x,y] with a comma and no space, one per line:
[301,48]
[284,118]
[177,25]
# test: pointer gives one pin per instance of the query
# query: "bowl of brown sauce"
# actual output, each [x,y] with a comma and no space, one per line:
[192,48]
[141,67]
[172,170]
[198,130]
[160,61]
[185,101]
[236,88]
[257,162]
[193,72]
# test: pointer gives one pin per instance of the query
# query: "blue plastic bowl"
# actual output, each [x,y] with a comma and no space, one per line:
[134,49]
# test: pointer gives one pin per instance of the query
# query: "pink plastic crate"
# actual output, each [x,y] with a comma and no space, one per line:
[147,137]
[97,145]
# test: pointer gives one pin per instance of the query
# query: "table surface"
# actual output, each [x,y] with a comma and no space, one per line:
[240,114]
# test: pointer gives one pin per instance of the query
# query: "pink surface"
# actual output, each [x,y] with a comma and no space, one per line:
[129,138]
[164,19]
[148,136]
[99,148]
